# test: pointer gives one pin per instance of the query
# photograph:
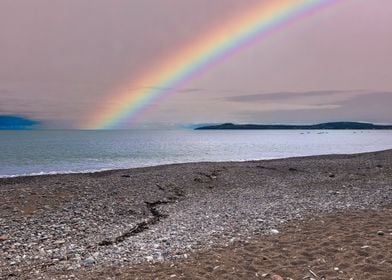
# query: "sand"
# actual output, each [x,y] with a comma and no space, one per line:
[301,217]
[346,245]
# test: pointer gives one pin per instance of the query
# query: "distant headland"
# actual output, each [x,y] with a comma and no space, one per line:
[9,122]
[329,125]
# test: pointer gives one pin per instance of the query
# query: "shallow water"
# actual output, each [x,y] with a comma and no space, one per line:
[65,151]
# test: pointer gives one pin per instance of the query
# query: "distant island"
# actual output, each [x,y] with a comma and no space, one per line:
[9,122]
[329,125]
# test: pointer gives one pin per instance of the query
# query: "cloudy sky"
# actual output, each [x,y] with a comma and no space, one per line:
[61,59]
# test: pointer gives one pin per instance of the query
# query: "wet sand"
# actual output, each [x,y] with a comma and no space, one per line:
[308,217]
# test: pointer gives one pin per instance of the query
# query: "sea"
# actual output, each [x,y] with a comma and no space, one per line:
[39,152]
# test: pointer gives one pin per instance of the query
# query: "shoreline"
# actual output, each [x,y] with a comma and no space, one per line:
[94,171]
[65,224]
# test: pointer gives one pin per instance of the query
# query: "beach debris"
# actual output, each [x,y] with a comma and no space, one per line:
[265,167]
[313,273]
[211,177]
[380,232]
[197,179]
[274,231]
[173,276]
[149,258]
[160,187]
[333,192]
[365,247]
[336,268]
[331,175]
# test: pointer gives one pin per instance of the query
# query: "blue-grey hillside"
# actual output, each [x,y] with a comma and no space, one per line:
[329,125]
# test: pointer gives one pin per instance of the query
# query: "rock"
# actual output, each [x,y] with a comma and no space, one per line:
[90,261]
[380,232]
[3,238]
[59,242]
[276,277]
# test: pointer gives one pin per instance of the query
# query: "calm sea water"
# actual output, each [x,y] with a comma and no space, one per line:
[43,152]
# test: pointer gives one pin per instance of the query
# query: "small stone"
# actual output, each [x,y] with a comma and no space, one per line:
[274,231]
[277,277]
[89,261]
[59,242]
[380,232]
[3,238]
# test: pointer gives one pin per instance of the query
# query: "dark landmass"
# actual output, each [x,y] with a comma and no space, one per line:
[330,125]
[8,122]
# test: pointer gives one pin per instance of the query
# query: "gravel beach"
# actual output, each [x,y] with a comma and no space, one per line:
[130,224]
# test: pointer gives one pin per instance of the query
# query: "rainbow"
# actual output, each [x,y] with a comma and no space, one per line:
[123,108]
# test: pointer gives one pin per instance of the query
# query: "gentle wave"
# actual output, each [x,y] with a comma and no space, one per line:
[36,153]
[88,171]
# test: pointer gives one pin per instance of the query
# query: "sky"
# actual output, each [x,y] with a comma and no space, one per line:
[62,60]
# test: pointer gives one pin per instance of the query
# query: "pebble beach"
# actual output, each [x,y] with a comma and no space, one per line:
[320,217]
